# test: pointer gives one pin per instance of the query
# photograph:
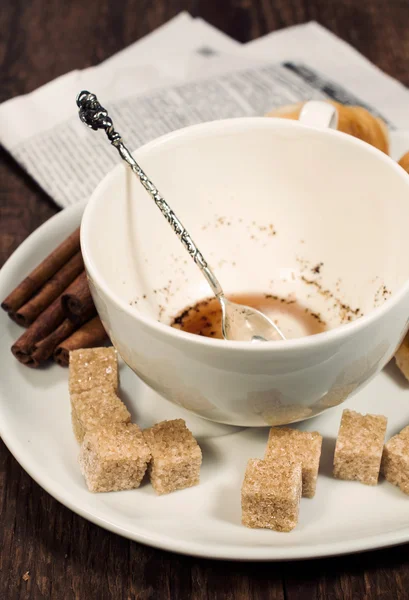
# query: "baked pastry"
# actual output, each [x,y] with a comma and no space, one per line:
[355,120]
[404,162]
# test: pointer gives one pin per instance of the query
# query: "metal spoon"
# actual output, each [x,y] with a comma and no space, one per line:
[239,323]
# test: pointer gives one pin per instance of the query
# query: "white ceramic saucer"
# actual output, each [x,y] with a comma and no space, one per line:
[205,520]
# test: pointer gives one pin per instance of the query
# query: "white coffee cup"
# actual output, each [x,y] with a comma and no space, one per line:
[266,201]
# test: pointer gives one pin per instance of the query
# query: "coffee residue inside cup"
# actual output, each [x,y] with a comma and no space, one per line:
[295,320]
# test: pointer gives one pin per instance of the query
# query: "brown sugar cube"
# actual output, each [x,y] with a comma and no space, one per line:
[301,446]
[114,457]
[91,368]
[359,446]
[402,357]
[395,460]
[270,495]
[94,408]
[176,456]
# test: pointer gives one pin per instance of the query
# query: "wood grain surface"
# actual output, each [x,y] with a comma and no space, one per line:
[65,556]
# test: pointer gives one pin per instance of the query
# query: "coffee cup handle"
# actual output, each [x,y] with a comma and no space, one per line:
[319,114]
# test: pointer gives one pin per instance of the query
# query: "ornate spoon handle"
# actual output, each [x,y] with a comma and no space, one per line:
[95,116]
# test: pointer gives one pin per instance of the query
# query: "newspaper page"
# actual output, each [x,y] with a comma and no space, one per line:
[184,74]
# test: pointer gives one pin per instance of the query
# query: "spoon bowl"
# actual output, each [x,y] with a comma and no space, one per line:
[244,324]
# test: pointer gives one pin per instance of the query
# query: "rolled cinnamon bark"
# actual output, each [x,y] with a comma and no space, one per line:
[46,323]
[90,335]
[46,269]
[45,348]
[49,291]
[77,302]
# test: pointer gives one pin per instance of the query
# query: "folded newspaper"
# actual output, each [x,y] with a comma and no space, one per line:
[187,72]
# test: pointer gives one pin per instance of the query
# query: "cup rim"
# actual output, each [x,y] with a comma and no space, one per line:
[224,125]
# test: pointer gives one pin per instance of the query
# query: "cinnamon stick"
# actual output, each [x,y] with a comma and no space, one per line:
[46,323]
[49,291]
[45,348]
[90,335]
[46,269]
[77,302]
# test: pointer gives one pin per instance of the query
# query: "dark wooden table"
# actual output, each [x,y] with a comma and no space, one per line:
[66,556]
